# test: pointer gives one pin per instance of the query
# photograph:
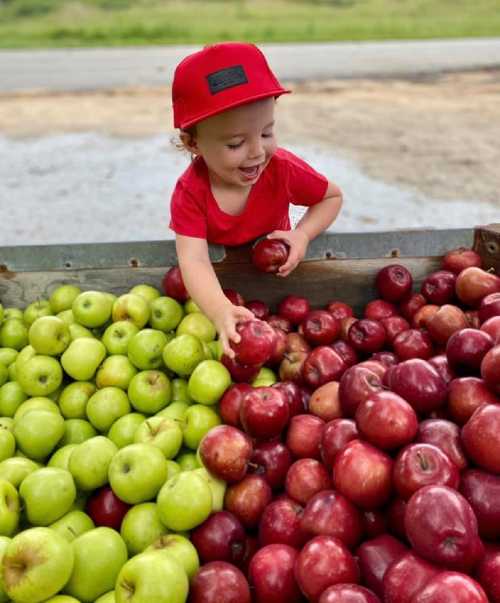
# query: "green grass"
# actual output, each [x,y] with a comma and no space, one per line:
[53,23]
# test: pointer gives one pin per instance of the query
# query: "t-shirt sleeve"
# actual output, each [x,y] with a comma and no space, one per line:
[187,215]
[305,185]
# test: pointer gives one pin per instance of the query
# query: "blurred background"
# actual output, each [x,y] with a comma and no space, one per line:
[398,101]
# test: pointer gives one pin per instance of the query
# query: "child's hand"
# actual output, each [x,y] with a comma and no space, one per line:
[228,317]
[298,242]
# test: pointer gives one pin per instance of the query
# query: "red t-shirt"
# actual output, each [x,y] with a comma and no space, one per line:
[287,179]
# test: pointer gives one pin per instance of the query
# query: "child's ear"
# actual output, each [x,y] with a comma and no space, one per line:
[188,139]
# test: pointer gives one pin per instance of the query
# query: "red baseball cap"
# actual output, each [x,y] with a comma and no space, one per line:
[220,77]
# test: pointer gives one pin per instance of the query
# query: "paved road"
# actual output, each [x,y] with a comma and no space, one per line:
[87,69]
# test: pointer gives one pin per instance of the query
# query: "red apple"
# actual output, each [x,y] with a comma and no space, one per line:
[378,309]
[459,259]
[388,359]
[489,307]
[221,537]
[488,573]
[345,351]
[492,327]
[304,435]
[490,369]
[106,509]
[348,593]
[271,574]
[451,587]
[339,310]
[472,317]
[357,384]
[467,394]
[281,523]
[376,366]
[442,528]
[374,523]
[394,282]
[375,556]
[293,395]
[323,562]
[480,437]
[367,335]
[225,452]
[396,517]
[446,436]
[268,255]
[321,366]
[423,315]
[482,491]
[363,474]
[473,284]
[279,348]
[441,364]
[295,342]
[230,403]
[418,383]
[447,320]
[406,577]
[466,349]
[234,297]
[411,304]
[247,499]
[324,401]
[420,465]
[291,366]
[271,460]
[240,372]
[259,309]
[394,325]
[336,434]
[219,582]
[264,412]
[256,342]
[413,343]
[386,420]
[294,308]
[331,514]
[173,285]
[345,325]
[279,322]
[320,327]
[439,287]
[305,478]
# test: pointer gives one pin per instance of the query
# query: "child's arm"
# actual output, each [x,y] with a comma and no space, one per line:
[204,288]
[316,219]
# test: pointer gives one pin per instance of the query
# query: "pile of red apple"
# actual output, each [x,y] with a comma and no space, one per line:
[371,471]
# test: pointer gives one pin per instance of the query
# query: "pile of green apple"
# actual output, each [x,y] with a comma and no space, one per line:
[98,390]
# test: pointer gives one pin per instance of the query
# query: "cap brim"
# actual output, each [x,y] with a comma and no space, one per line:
[231,105]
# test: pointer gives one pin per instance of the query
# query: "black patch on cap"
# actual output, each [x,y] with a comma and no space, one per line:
[226,78]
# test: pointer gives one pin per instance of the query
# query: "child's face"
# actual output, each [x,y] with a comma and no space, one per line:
[238,144]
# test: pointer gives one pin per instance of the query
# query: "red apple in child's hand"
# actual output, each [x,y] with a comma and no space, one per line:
[219,582]
[256,342]
[394,282]
[173,285]
[268,255]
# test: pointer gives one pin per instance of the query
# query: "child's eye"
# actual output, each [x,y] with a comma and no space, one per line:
[234,145]
[267,135]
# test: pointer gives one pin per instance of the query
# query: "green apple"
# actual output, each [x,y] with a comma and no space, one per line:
[76,331]
[106,406]
[81,500]
[8,444]
[74,397]
[4,374]
[172,469]
[15,469]
[166,314]
[13,334]
[60,458]
[67,317]
[36,565]
[180,391]
[141,526]
[216,349]
[1,313]
[175,410]
[179,548]
[184,501]
[137,472]
[73,524]
[82,357]
[36,403]
[77,431]
[217,486]
[7,423]
[116,371]
[197,324]
[161,432]
[146,347]
[99,556]
[187,461]
[47,495]
[183,354]
[123,429]
[148,292]
[12,313]
[11,397]
[92,308]
[264,378]
[4,541]
[49,335]
[62,297]
[39,376]
[8,356]
[191,306]
[107,598]
[90,461]
[117,336]
[37,433]
[198,420]
[149,391]
[36,309]
[9,508]
[26,353]
[62,599]
[208,382]
[151,577]
[131,307]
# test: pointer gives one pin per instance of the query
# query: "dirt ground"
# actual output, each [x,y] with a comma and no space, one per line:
[439,134]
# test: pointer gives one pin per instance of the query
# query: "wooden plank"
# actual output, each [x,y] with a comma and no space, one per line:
[487,244]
